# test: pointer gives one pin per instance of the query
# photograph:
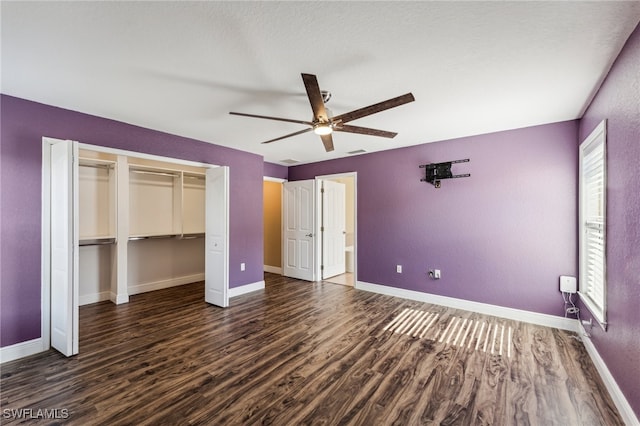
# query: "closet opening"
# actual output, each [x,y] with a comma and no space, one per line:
[165,218]
[272,224]
[117,223]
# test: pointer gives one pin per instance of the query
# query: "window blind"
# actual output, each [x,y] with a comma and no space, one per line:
[593,223]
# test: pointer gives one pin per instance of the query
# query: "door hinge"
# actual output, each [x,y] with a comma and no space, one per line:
[322,267]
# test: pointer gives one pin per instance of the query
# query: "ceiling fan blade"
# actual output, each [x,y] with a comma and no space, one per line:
[372,109]
[365,131]
[315,97]
[289,135]
[327,141]
[308,123]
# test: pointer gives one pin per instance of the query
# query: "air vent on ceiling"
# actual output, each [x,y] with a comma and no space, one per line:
[289,161]
[357,151]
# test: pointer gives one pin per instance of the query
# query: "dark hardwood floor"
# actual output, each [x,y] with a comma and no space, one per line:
[307,353]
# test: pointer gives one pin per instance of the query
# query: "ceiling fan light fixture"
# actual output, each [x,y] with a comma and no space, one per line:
[322,129]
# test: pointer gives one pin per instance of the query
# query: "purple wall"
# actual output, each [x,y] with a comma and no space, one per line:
[502,236]
[24,123]
[619,102]
[276,171]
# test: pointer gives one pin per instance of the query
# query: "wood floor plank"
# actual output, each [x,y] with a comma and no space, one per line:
[581,387]
[520,385]
[307,353]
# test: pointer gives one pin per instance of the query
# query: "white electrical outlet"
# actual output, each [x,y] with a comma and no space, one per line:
[434,274]
[399,269]
[242,266]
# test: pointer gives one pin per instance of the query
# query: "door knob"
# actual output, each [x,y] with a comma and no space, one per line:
[309,235]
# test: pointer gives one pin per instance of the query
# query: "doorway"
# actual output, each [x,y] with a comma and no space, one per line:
[349,181]
[316,244]
[272,224]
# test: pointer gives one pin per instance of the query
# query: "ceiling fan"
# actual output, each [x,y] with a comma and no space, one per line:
[323,124]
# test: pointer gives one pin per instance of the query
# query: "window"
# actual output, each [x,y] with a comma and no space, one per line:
[593,186]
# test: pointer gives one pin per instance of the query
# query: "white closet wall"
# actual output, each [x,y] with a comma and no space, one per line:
[193,203]
[159,263]
[96,199]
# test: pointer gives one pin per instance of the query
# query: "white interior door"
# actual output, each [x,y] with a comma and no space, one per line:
[333,229]
[217,237]
[64,248]
[298,229]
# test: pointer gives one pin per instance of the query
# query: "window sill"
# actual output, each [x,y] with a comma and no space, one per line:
[598,315]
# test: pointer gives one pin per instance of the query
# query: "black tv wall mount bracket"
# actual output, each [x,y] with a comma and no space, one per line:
[435,172]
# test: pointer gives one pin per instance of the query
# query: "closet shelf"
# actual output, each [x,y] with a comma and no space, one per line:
[167,236]
[194,176]
[191,236]
[136,168]
[152,237]
[97,241]
[96,163]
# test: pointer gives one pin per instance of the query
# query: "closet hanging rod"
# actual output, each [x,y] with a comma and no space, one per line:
[96,166]
[150,172]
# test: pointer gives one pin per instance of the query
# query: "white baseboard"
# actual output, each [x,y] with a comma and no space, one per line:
[158,285]
[118,298]
[482,308]
[32,347]
[247,288]
[21,350]
[87,299]
[273,269]
[618,397]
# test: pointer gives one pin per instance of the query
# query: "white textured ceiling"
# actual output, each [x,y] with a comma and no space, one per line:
[180,67]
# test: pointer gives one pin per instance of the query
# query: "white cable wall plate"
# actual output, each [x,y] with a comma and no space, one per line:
[568,284]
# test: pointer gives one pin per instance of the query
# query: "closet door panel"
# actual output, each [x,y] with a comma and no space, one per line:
[64,249]
[217,237]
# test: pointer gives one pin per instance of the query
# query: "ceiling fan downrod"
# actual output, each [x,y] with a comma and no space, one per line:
[326,95]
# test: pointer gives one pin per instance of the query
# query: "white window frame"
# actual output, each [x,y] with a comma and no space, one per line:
[592,223]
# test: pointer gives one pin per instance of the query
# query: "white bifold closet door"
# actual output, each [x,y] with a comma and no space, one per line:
[217,237]
[64,248]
